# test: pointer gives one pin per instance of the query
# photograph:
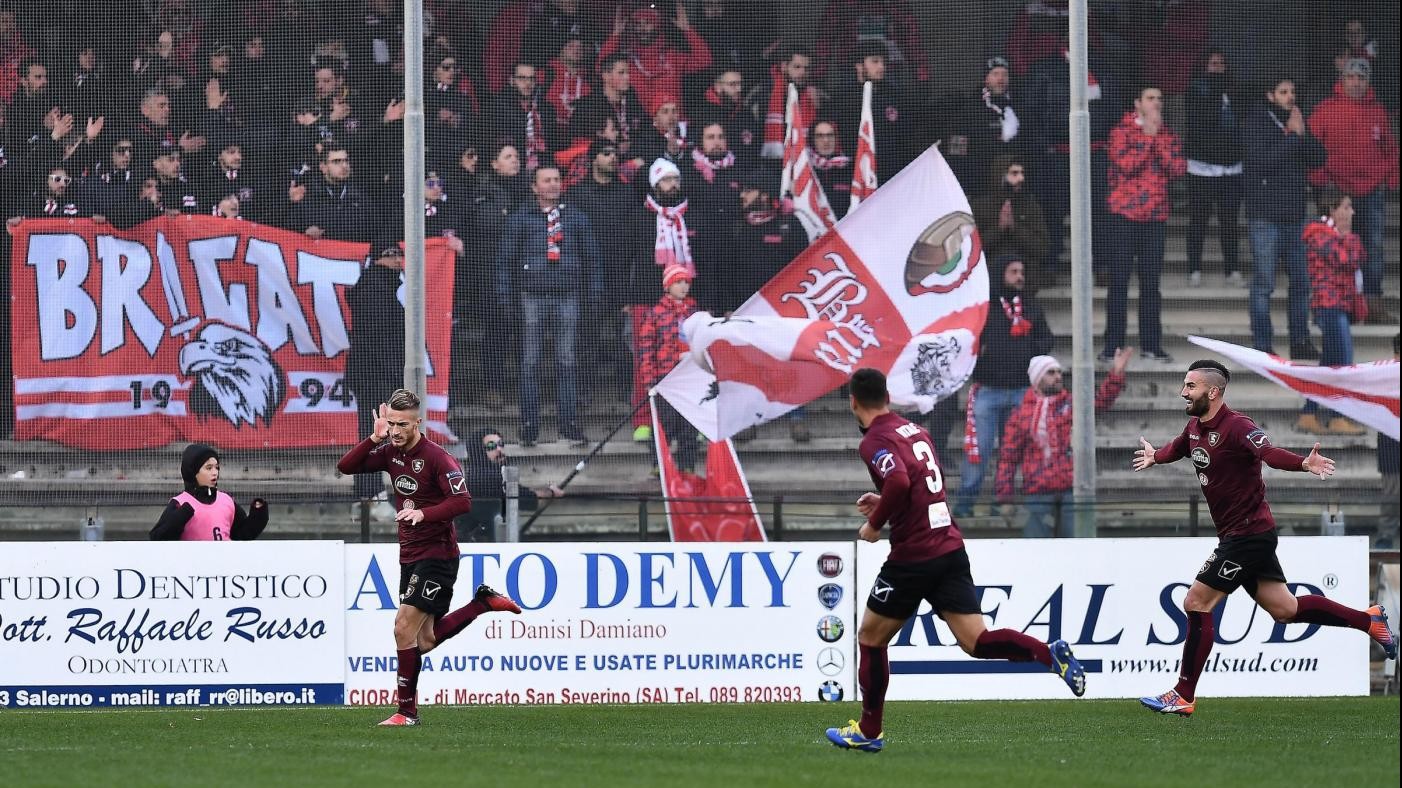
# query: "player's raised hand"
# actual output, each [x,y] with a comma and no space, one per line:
[1144,457]
[381,429]
[1318,464]
[410,516]
[867,503]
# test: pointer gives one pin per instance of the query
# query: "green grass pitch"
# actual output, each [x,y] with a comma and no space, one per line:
[1279,742]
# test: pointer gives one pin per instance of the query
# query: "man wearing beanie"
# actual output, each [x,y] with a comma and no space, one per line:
[1037,439]
[1016,330]
[1355,130]
[658,346]
[983,126]
[203,512]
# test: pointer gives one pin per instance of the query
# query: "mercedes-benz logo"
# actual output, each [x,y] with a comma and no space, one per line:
[831,661]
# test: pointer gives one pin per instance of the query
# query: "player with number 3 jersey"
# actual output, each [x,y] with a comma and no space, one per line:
[927,562]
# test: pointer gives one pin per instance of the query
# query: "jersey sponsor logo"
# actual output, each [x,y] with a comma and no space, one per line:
[830,629]
[1202,479]
[830,692]
[829,594]
[829,564]
[406,485]
[418,466]
[1193,435]
[1258,438]
[431,590]
[880,590]
[1213,437]
[408,503]
[831,661]
[884,462]
[1200,457]
[396,460]
[1229,570]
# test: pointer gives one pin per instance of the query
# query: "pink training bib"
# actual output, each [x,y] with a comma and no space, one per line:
[212,522]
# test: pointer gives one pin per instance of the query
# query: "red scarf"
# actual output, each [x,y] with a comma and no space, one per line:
[671,246]
[554,235]
[778,101]
[971,429]
[707,167]
[1021,326]
[821,162]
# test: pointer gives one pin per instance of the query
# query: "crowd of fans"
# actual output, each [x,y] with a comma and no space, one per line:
[579,150]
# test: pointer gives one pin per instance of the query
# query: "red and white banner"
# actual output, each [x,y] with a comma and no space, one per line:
[1366,393]
[194,328]
[800,183]
[900,285]
[716,508]
[864,162]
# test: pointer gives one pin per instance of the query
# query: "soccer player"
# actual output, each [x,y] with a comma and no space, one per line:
[1228,448]
[927,561]
[429,491]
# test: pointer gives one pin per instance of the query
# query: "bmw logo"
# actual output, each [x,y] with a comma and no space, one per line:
[830,629]
[830,692]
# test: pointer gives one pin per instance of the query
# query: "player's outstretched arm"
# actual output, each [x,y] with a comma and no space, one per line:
[1144,457]
[1318,464]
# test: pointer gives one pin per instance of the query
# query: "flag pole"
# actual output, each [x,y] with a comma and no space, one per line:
[579,466]
[1082,299]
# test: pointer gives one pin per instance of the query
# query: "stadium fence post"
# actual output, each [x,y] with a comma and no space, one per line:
[778,519]
[642,518]
[364,521]
[1082,299]
[511,483]
[1192,515]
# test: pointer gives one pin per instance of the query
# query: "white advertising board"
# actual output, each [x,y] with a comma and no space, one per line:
[1118,602]
[171,623]
[620,623]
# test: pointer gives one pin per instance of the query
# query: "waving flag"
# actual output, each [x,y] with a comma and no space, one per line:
[800,182]
[899,285]
[717,508]
[864,164]
[1366,393]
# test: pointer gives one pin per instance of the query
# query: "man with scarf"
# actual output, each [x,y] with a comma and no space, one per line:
[1037,440]
[615,98]
[671,247]
[523,116]
[771,100]
[568,79]
[831,165]
[547,264]
[892,122]
[982,126]
[722,102]
[1016,330]
[657,63]
[712,184]
[763,238]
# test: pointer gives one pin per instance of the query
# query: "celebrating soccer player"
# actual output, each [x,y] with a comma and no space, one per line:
[1228,448]
[429,491]
[927,561]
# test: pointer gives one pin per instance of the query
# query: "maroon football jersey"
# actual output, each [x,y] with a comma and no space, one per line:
[1227,453]
[425,477]
[921,525]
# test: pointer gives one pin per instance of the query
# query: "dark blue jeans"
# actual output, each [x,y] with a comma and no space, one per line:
[1370,215]
[556,317]
[1337,350]
[992,407]
[1135,247]
[1269,242]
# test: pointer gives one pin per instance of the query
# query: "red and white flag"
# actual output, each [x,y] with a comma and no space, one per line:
[1366,393]
[864,163]
[800,182]
[716,508]
[899,285]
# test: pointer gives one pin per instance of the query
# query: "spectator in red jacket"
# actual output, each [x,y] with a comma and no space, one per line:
[659,346]
[1356,132]
[1144,156]
[568,80]
[1037,439]
[659,65]
[1334,254]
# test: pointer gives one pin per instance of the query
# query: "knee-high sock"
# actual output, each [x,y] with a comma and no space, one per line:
[408,681]
[1197,647]
[456,621]
[1011,645]
[874,674]
[1315,609]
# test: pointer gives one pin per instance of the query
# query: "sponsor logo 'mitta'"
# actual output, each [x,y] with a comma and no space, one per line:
[406,485]
[1200,457]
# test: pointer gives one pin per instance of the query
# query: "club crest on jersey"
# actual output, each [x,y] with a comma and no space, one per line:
[1259,439]
[1212,438]
[1202,479]
[406,484]
[1200,457]
[417,465]
[884,462]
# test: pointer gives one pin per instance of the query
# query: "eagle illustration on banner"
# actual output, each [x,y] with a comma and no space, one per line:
[900,284]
